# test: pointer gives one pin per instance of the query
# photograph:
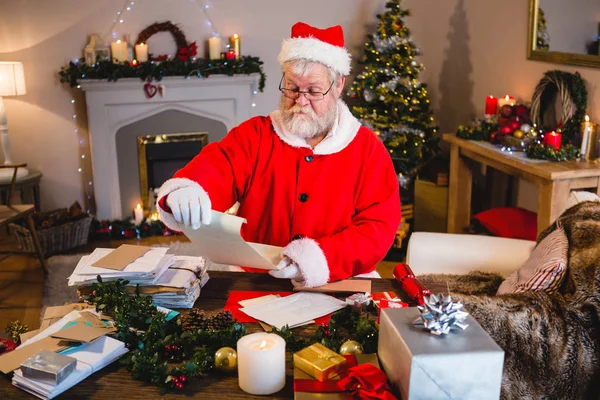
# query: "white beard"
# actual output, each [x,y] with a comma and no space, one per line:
[304,122]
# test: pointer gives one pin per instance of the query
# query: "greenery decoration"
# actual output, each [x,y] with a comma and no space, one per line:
[573,97]
[15,329]
[389,98]
[151,70]
[541,152]
[477,129]
[165,354]
[126,228]
[185,50]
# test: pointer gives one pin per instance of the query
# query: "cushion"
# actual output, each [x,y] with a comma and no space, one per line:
[577,197]
[545,268]
[509,222]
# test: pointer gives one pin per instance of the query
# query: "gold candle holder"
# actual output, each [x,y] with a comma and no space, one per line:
[588,140]
[234,43]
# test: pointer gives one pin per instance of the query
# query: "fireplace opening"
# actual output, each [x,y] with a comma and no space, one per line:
[160,156]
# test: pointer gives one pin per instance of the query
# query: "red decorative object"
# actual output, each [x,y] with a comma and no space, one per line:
[553,139]
[506,110]
[185,50]
[505,130]
[6,345]
[230,55]
[491,105]
[150,89]
[521,110]
[411,285]
[509,222]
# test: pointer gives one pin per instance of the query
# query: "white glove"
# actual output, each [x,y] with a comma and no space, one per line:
[287,269]
[190,206]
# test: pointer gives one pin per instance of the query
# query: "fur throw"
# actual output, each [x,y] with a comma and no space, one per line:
[552,342]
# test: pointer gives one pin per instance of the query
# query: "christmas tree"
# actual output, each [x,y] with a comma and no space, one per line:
[389,99]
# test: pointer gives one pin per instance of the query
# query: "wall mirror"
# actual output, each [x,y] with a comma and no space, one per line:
[565,32]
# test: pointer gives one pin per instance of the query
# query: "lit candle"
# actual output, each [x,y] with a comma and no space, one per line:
[141,52]
[234,42]
[214,48]
[261,363]
[119,51]
[506,100]
[553,139]
[588,139]
[491,105]
[138,213]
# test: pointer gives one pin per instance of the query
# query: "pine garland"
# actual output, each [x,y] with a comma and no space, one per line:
[201,68]
[164,354]
[479,130]
[126,228]
[541,152]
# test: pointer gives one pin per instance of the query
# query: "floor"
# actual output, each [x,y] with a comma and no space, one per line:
[22,280]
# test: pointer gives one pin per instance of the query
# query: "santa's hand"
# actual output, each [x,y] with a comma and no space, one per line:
[190,206]
[286,269]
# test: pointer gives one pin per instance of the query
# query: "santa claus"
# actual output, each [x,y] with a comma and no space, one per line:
[309,177]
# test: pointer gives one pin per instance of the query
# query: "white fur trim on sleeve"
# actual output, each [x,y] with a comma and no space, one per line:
[168,187]
[313,49]
[311,261]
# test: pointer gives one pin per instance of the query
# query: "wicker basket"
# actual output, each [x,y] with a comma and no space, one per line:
[56,239]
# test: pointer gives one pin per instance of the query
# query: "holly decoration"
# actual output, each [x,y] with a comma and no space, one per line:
[185,50]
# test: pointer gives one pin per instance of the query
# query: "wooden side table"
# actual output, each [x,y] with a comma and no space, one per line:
[554,180]
[28,182]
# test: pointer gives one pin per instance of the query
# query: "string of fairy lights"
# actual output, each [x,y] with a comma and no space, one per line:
[118,20]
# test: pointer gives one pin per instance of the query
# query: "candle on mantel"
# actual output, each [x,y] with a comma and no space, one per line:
[141,52]
[261,363]
[234,42]
[214,48]
[491,105]
[138,213]
[119,51]
[510,100]
[553,139]
[588,139]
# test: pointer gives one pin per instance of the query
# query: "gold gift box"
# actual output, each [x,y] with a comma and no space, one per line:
[319,362]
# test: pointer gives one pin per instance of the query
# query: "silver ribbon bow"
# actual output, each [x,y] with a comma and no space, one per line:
[440,315]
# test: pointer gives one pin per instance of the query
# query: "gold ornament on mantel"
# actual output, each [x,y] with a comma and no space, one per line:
[226,359]
[351,347]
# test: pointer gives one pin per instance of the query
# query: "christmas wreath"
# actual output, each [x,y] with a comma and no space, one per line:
[185,50]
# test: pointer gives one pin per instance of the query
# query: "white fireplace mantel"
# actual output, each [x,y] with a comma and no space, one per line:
[113,105]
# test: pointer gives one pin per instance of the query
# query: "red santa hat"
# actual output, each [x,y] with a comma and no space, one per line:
[321,45]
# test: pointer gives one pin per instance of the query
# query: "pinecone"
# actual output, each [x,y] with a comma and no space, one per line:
[193,320]
[222,320]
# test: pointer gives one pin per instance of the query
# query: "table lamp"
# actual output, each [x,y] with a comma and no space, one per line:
[12,83]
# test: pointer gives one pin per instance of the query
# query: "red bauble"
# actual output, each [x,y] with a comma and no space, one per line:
[505,130]
[494,137]
[521,110]
[506,110]
[515,123]
[503,121]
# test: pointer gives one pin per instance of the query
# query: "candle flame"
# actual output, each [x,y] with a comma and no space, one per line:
[235,35]
[119,41]
[262,345]
[507,97]
[587,119]
[491,97]
[139,206]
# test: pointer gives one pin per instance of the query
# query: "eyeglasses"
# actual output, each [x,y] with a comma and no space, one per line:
[295,93]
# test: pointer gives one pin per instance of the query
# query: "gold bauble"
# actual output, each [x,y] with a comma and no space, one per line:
[351,347]
[518,134]
[226,359]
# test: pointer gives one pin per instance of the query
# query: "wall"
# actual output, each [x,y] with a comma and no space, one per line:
[471,49]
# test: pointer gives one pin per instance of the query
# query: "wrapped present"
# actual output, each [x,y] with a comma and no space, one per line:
[388,296]
[48,366]
[460,365]
[358,300]
[361,378]
[389,304]
[319,362]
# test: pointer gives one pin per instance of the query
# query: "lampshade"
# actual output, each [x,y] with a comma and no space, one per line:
[12,79]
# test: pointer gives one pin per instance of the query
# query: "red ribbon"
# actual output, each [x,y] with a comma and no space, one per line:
[364,381]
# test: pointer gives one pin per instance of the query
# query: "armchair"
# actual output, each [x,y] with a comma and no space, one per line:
[11,213]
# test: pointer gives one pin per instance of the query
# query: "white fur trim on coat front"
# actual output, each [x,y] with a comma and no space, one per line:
[168,187]
[344,130]
[311,261]
[313,49]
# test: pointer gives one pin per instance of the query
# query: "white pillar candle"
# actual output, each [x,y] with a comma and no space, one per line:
[261,363]
[506,100]
[119,51]
[141,52]
[214,48]
[138,213]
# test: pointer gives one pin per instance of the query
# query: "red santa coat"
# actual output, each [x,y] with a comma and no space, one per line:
[335,208]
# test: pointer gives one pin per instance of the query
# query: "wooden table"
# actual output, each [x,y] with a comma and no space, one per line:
[114,381]
[554,180]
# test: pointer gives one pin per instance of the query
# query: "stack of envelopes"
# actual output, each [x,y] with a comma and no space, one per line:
[172,281]
[80,335]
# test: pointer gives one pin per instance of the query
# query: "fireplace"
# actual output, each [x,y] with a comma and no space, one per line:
[119,112]
[160,156]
